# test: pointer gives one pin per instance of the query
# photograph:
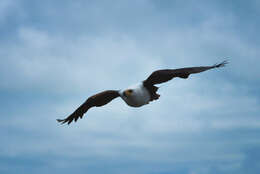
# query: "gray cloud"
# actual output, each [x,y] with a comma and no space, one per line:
[206,124]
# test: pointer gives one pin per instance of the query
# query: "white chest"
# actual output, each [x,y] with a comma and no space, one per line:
[139,97]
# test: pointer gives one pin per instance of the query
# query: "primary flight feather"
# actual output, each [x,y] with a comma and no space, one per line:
[137,95]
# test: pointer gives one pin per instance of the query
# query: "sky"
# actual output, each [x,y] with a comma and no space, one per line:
[55,54]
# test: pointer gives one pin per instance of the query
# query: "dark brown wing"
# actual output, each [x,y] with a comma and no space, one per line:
[165,75]
[97,100]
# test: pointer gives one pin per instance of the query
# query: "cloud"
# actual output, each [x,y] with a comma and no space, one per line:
[5,9]
[38,54]
[206,124]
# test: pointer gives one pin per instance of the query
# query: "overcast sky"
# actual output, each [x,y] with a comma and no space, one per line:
[55,54]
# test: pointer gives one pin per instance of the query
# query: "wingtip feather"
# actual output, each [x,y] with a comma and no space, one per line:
[59,120]
[222,64]
[62,121]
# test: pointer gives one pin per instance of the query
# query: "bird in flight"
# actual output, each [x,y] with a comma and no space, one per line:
[139,94]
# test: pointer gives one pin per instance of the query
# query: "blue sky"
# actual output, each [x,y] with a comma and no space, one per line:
[56,54]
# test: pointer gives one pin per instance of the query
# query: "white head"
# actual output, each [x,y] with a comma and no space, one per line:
[135,95]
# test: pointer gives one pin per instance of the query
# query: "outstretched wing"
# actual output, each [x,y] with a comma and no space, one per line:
[165,75]
[97,100]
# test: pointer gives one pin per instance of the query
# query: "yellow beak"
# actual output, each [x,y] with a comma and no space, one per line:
[127,93]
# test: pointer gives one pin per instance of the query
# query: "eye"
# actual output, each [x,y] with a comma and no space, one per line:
[130,91]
